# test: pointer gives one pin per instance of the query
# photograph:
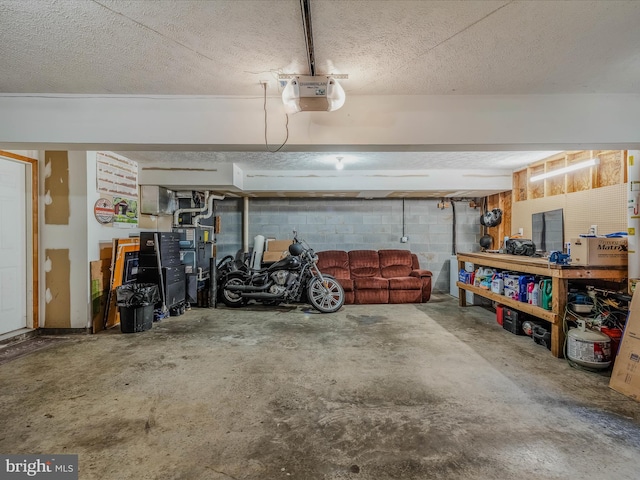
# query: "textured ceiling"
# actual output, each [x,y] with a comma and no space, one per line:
[225,47]
[411,47]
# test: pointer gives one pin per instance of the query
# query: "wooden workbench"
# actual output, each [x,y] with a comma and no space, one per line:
[560,276]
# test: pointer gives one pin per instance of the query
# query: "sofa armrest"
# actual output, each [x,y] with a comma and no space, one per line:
[425,276]
[421,273]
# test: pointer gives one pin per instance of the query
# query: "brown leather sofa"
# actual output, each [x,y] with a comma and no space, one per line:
[382,276]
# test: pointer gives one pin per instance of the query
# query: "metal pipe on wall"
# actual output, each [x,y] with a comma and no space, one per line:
[208,204]
[245,225]
[208,212]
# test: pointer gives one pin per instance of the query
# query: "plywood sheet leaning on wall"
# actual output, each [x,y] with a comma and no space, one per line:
[100,277]
[56,188]
[120,247]
[57,288]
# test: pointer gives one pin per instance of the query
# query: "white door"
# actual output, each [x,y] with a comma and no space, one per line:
[13,251]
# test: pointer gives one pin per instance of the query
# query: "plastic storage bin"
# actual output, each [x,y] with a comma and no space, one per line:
[512,321]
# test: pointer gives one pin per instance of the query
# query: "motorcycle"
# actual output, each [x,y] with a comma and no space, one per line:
[295,278]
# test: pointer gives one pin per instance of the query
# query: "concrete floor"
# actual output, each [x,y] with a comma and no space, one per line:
[371,392]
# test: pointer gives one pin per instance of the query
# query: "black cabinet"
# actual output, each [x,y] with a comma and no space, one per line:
[170,278]
[168,245]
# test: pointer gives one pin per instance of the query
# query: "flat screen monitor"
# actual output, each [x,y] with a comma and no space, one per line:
[548,230]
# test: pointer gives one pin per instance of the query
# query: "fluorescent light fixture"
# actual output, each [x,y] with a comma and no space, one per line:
[571,168]
[312,94]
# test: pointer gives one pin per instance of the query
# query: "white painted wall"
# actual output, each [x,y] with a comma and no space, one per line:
[82,236]
[379,180]
[96,232]
[521,122]
[72,236]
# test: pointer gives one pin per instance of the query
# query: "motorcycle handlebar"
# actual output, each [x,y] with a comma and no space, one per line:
[307,249]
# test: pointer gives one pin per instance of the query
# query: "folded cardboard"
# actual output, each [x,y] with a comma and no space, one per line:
[597,251]
[268,257]
[278,245]
[625,377]
[276,250]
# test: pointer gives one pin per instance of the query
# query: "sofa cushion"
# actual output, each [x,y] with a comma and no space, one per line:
[334,262]
[371,296]
[415,262]
[349,298]
[371,283]
[395,263]
[364,263]
[405,296]
[405,283]
[347,284]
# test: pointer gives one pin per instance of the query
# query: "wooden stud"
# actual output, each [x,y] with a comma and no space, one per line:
[559,292]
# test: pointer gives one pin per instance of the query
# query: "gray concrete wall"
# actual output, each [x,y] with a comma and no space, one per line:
[229,240]
[351,224]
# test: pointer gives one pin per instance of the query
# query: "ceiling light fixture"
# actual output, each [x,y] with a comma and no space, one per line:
[312,94]
[339,164]
[571,168]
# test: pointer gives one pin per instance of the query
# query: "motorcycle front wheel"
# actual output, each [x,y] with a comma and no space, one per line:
[325,296]
[229,298]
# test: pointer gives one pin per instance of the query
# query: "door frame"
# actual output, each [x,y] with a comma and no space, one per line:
[33,262]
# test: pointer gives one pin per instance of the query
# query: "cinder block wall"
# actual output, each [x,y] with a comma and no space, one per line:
[351,224]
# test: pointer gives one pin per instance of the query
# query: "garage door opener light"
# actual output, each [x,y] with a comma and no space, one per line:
[312,94]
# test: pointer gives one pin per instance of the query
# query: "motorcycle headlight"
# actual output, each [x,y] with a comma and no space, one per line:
[315,258]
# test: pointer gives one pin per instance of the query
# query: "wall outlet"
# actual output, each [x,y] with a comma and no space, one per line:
[404,239]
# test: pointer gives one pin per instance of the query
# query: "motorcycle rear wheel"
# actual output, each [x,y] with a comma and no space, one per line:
[327,296]
[229,298]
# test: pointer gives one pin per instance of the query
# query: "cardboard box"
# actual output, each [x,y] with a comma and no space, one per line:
[278,245]
[594,251]
[276,250]
[511,293]
[268,257]
[511,280]
[625,377]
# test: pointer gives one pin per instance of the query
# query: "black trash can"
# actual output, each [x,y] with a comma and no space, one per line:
[136,302]
[136,319]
